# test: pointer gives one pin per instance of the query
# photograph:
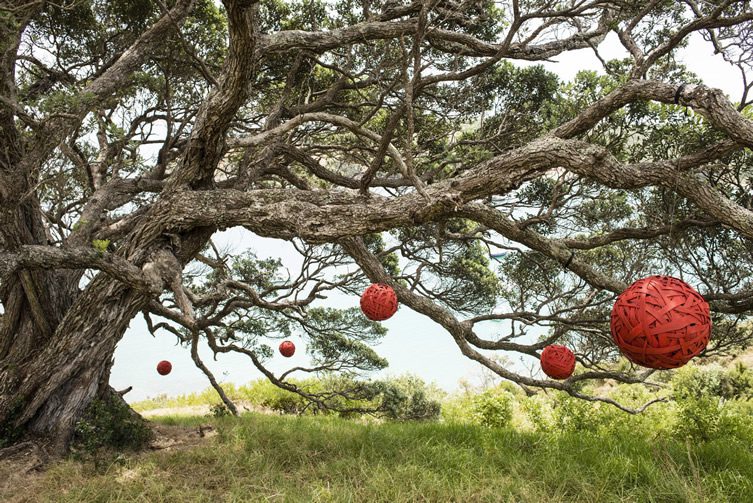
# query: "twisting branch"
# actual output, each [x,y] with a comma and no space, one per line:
[461,332]
[200,364]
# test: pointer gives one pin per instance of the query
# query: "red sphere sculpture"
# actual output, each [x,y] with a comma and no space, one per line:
[164,367]
[660,322]
[557,362]
[287,349]
[379,302]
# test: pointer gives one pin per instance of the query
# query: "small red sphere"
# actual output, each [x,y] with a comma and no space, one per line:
[379,302]
[164,367]
[287,349]
[660,322]
[557,362]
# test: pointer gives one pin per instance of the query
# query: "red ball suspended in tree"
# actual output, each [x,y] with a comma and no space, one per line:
[660,322]
[164,367]
[557,362]
[287,349]
[379,302]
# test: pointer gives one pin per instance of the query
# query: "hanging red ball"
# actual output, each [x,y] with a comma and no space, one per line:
[557,362]
[661,322]
[379,302]
[287,349]
[164,367]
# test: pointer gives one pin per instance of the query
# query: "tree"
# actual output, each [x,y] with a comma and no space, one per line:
[388,141]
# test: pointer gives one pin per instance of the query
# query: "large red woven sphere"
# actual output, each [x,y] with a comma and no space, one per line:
[164,367]
[660,322]
[557,362]
[287,349]
[379,302]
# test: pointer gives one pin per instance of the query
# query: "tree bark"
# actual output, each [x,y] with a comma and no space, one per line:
[56,343]
[43,393]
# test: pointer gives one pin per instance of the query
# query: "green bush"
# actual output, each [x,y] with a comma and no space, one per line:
[693,381]
[737,420]
[655,421]
[557,412]
[538,412]
[572,414]
[457,408]
[698,417]
[408,397]
[111,423]
[219,410]
[470,406]
[492,408]
[265,394]
[401,398]
[709,402]
[706,403]
[205,397]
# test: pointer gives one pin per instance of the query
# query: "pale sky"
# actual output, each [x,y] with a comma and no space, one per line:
[414,343]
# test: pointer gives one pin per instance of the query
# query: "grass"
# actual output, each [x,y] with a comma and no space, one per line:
[206,397]
[285,458]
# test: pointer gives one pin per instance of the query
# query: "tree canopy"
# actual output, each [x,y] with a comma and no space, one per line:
[388,141]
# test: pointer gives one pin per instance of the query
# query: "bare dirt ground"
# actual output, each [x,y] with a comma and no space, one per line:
[21,468]
[169,437]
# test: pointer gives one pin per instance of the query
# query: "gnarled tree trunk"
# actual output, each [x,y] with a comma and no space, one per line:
[47,380]
[57,342]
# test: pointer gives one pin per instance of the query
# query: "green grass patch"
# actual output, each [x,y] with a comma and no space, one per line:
[283,458]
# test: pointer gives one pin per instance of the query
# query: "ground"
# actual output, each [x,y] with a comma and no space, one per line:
[29,467]
[260,457]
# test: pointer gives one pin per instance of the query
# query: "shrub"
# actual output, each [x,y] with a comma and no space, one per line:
[492,408]
[714,380]
[538,412]
[698,417]
[265,394]
[219,410]
[410,398]
[707,400]
[401,398]
[737,420]
[576,415]
[655,421]
[205,397]
[111,423]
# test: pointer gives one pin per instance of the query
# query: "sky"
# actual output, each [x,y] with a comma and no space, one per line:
[414,344]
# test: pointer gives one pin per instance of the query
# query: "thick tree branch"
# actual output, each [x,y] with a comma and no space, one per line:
[327,216]
[34,257]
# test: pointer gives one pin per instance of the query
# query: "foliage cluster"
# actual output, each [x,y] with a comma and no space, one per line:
[109,422]
[705,403]
[400,398]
